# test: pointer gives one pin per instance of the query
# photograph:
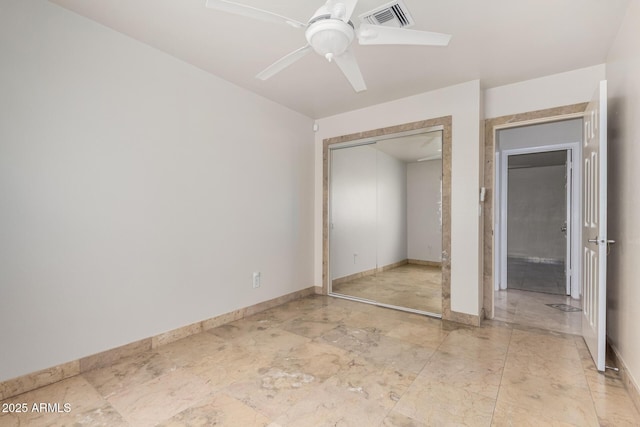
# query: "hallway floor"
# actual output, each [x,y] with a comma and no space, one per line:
[414,286]
[323,361]
[536,276]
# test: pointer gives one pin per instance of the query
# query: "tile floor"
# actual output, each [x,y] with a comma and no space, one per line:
[323,361]
[531,309]
[414,286]
[536,276]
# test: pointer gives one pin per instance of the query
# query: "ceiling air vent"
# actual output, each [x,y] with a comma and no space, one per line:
[394,14]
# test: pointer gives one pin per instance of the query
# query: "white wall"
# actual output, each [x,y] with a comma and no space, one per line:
[463,103]
[392,210]
[572,87]
[354,223]
[424,210]
[623,296]
[368,210]
[543,134]
[138,193]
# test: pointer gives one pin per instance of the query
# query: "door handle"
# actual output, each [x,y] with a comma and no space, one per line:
[597,241]
[563,228]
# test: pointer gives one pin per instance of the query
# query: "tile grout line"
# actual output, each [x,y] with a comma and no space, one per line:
[495,405]
[418,374]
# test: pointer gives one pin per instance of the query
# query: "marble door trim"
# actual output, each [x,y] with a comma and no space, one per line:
[491,126]
[445,123]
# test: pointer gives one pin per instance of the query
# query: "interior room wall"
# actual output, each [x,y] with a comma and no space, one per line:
[424,215]
[392,210]
[537,210]
[138,193]
[543,134]
[462,102]
[354,198]
[571,87]
[623,294]
[368,210]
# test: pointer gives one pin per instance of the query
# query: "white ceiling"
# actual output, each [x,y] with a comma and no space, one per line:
[413,148]
[496,41]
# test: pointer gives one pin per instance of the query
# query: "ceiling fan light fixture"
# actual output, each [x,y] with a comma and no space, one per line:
[330,37]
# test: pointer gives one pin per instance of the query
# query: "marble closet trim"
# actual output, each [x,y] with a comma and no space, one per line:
[489,157]
[445,122]
[32,381]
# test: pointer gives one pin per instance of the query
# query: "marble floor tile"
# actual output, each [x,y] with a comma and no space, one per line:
[152,402]
[229,364]
[381,384]
[395,419]
[550,398]
[310,327]
[221,410]
[128,372]
[252,337]
[565,370]
[333,406]
[412,286]
[309,363]
[85,407]
[468,345]
[530,309]
[612,402]
[328,361]
[481,376]
[506,415]
[379,348]
[437,404]
[426,333]
[272,391]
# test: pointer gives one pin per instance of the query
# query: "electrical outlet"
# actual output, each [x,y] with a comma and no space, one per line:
[256,279]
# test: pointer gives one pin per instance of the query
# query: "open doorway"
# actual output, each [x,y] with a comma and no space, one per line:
[538,222]
[537,227]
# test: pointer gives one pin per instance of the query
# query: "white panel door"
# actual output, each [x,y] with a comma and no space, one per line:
[594,226]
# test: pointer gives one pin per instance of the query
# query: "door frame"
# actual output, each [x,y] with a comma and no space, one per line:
[447,143]
[491,231]
[574,174]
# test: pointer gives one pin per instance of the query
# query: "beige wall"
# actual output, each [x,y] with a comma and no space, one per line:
[138,193]
[623,296]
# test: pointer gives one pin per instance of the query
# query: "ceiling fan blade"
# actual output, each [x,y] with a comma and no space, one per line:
[340,9]
[376,34]
[349,66]
[283,63]
[351,6]
[252,12]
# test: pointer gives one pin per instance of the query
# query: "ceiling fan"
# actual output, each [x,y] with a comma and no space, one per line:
[330,32]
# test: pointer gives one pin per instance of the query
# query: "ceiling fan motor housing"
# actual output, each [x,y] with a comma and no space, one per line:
[330,37]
